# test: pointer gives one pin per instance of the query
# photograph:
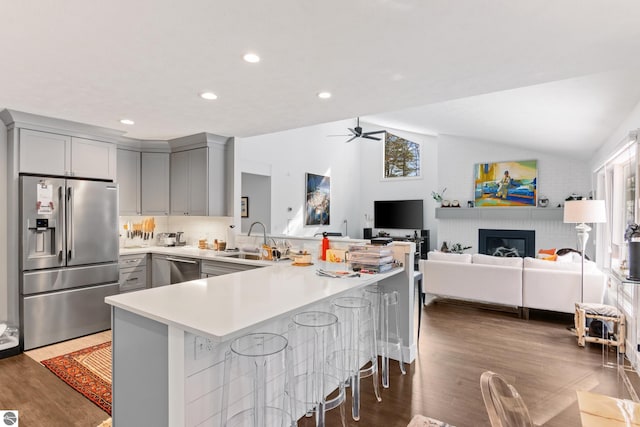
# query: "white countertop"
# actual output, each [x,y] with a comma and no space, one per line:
[223,307]
[193,252]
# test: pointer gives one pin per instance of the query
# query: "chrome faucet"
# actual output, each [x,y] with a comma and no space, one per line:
[264,231]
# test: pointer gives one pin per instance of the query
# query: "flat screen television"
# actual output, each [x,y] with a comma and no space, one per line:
[405,214]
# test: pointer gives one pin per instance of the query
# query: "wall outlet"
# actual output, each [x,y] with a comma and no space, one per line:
[204,347]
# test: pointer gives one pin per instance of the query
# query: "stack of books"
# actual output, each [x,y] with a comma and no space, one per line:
[371,258]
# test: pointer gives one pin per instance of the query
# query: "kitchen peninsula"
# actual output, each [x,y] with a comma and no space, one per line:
[169,342]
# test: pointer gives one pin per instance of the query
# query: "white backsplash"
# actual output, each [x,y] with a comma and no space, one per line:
[194,228]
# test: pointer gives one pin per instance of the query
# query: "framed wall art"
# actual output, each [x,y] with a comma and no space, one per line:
[244,207]
[318,200]
[506,183]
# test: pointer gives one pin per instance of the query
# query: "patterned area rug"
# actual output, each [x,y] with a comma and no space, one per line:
[88,371]
[422,421]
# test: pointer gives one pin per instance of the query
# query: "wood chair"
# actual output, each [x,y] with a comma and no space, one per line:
[504,404]
[605,313]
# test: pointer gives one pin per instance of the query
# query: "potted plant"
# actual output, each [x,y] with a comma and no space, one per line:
[632,236]
[438,196]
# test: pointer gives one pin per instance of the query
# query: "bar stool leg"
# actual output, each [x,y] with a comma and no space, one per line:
[315,340]
[264,360]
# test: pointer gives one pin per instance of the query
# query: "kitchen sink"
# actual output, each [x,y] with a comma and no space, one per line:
[243,255]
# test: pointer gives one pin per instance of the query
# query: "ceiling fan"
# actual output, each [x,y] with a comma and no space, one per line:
[357,132]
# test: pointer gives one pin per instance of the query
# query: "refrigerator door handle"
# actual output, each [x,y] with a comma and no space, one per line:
[70,246]
[59,234]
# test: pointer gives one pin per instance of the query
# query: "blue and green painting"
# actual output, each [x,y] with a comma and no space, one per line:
[506,183]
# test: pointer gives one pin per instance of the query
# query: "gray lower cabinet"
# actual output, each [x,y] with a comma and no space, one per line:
[218,268]
[133,272]
[160,271]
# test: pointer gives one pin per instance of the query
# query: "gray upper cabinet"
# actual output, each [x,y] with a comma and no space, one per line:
[155,183]
[129,182]
[199,178]
[143,180]
[93,159]
[189,182]
[44,153]
[54,154]
[180,183]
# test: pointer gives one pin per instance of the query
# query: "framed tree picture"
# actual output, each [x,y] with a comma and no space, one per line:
[244,207]
[318,200]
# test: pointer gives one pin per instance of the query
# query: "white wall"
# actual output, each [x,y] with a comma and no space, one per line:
[356,178]
[374,187]
[617,138]
[289,155]
[558,177]
[4,291]
[258,189]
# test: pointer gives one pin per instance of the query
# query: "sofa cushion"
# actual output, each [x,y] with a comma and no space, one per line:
[564,266]
[446,256]
[496,260]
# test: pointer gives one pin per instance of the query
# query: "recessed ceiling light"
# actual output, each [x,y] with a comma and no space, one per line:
[208,95]
[324,95]
[251,57]
[127,122]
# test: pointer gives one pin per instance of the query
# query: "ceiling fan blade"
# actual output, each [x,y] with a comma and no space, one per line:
[353,131]
[352,138]
[374,132]
[375,138]
[341,135]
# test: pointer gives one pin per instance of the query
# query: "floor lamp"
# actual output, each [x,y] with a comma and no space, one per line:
[582,212]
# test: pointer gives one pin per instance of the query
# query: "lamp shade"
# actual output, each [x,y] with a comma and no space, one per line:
[584,211]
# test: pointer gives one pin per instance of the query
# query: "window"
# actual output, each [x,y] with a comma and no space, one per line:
[401,157]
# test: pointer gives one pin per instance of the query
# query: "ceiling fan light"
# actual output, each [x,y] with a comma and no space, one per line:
[209,96]
[324,95]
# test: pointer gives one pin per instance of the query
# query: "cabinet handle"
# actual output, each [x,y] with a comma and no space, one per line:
[135,279]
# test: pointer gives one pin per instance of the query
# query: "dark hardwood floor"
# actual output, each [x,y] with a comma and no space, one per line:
[41,398]
[539,357]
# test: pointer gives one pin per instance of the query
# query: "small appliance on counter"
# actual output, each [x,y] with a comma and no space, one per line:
[166,239]
[180,239]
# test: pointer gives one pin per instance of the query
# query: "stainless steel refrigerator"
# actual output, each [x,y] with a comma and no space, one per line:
[68,257]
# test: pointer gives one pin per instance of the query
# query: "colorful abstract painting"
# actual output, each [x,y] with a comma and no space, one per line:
[506,183]
[317,210]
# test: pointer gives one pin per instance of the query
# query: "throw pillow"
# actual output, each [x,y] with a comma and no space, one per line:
[553,257]
[544,253]
[496,260]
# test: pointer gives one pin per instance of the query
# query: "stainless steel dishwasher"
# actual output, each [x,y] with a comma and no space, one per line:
[169,269]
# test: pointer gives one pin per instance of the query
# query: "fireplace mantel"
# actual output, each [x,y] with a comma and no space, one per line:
[501,213]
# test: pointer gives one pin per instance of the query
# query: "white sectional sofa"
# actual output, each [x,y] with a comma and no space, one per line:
[473,277]
[516,282]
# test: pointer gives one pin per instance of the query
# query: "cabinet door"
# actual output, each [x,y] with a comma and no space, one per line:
[128,179]
[198,180]
[44,153]
[180,183]
[160,271]
[93,159]
[155,183]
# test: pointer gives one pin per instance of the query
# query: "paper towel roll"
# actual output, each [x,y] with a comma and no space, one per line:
[231,237]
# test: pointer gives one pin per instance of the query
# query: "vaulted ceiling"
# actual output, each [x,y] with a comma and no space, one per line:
[560,75]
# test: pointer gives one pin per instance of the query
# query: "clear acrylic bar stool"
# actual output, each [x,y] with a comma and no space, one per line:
[358,335]
[314,338]
[388,336]
[257,370]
